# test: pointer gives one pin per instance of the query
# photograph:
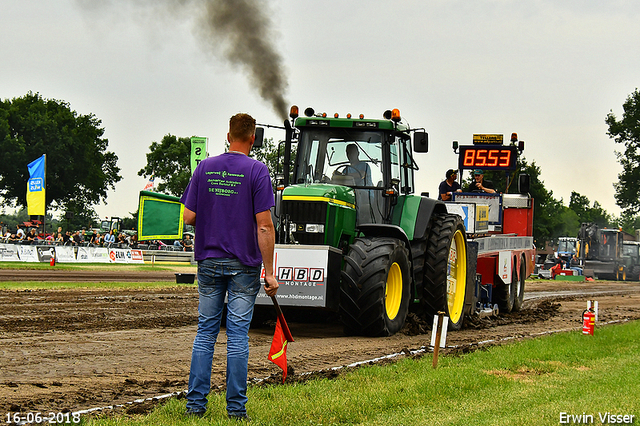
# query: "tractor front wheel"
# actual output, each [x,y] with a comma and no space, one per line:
[445,269]
[375,287]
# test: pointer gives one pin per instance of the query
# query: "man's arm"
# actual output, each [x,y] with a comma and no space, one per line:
[189,217]
[266,243]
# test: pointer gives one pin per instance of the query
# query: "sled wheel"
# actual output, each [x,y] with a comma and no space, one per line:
[507,293]
[445,269]
[375,288]
[519,300]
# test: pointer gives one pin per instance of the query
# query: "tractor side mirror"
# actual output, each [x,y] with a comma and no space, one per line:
[421,142]
[524,181]
[259,137]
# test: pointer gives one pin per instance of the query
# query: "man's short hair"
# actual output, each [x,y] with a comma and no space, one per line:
[242,127]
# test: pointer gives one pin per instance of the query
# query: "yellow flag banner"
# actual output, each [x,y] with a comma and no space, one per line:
[36,187]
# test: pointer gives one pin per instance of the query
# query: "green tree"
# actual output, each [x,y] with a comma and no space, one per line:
[549,214]
[629,223]
[596,214]
[627,132]
[79,169]
[170,161]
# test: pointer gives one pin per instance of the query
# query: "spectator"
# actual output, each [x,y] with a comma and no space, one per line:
[187,243]
[32,237]
[20,233]
[110,238]
[77,239]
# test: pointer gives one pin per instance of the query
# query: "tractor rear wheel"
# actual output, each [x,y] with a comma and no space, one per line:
[445,269]
[507,293]
[375,288]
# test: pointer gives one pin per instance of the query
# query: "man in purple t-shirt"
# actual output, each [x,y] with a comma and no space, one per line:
[230,197]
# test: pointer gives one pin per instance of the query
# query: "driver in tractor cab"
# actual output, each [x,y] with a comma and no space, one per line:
[357,169]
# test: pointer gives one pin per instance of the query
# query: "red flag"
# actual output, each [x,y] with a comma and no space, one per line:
[278,351]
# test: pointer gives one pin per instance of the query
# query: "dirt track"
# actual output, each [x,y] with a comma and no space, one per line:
[79,349]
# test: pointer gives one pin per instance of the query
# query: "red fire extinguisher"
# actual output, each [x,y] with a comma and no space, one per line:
[52,262]
[588,321]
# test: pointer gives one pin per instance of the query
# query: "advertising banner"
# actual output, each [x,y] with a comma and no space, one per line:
[92,255]
[46,253]
[36,187]
[65,254]
[28,253]
[303,274]
[9,253]
[198,151]
[125,256]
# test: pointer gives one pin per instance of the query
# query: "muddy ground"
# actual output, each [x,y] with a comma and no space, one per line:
[79,349]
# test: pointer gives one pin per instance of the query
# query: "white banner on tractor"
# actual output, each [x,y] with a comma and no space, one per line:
[303,275]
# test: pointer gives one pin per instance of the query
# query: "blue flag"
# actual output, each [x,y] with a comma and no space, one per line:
[36,187]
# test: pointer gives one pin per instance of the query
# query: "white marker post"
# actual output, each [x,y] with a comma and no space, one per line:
[438,335]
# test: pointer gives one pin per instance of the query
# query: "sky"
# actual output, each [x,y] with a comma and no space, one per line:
[549,70]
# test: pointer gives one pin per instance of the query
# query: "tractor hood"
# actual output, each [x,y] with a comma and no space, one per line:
[334,194]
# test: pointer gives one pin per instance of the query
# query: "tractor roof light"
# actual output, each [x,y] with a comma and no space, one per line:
[293,112]
[395,115]
[455,146]
[361,116]
[335,115]
[514,137]
[324,115]
[309,112]
[348,115]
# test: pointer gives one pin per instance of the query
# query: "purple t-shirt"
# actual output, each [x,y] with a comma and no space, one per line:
[226,192]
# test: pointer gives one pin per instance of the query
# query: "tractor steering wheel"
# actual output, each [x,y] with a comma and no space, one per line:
[344,172]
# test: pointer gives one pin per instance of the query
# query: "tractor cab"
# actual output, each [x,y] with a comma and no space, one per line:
[344,167]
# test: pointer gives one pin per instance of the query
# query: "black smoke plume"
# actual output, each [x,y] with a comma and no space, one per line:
[242,29]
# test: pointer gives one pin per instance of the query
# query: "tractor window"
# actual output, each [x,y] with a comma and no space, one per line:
[406,177]
[341,156]
[402,165]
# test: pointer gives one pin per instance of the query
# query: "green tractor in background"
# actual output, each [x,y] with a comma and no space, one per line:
[351,235]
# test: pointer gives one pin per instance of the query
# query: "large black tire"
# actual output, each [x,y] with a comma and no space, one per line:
[375,288]
[445,270]
[519,300]
[506,294]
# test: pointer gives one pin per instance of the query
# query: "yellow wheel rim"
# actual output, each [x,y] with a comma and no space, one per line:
[456,277]
[393,291]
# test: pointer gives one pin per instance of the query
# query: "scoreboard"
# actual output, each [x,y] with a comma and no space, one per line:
[488,157]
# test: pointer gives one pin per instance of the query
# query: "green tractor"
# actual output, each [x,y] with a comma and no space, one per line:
[351,235]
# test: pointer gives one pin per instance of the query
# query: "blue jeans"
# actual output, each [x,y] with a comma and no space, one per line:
[216,278]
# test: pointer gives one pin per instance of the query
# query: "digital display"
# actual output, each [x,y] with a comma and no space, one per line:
[488,157]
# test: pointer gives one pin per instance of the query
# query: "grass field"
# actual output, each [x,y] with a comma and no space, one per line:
[544,381]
